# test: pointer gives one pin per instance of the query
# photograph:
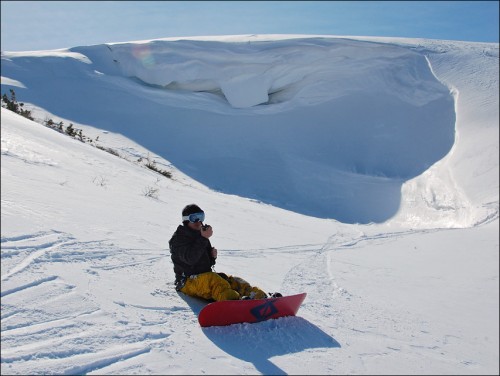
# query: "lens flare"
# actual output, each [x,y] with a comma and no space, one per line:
[144,55]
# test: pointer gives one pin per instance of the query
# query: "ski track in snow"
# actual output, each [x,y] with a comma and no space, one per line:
[46,336]
[350,319]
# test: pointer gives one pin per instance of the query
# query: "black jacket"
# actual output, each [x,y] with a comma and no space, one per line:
[191,253]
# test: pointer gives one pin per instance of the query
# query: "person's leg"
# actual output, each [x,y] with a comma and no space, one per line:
[209,285]
[245,289]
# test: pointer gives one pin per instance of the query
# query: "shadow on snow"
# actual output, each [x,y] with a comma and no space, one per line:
[257,343]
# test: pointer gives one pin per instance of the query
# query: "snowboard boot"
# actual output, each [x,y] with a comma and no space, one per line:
[275,295]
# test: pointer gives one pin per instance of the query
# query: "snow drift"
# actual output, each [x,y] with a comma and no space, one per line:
[326,127]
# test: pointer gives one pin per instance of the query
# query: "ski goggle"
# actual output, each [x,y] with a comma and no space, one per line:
[195,217]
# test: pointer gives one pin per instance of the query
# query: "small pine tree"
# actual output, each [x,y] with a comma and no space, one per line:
[12,105]
[70,131]
[81,136]
[49,123]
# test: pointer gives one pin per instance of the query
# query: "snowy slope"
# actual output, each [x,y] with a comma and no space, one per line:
[330,131]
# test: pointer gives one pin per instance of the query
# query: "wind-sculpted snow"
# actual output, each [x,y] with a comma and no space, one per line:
[322,126]
[312,71]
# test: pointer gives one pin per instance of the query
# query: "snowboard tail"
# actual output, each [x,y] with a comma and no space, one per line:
[229,312]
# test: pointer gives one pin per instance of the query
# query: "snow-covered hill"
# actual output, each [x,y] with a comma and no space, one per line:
[363,171]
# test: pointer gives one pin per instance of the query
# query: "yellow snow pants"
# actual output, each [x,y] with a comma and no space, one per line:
[211,285]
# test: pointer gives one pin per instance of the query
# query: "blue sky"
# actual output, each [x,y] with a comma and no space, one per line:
[41,25]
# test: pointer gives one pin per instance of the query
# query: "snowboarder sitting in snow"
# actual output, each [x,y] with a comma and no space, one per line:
[193,257]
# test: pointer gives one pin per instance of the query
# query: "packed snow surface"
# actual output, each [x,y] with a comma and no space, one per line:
[363,171]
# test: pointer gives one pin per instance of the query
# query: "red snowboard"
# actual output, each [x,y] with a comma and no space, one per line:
[229,312]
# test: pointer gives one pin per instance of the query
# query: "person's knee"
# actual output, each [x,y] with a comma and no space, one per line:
[258,293]
[239,284]
[228,294]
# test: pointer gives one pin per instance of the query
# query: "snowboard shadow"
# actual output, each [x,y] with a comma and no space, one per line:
[196,304]
[258,343]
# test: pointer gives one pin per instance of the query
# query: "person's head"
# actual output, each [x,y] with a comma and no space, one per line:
[193,216]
